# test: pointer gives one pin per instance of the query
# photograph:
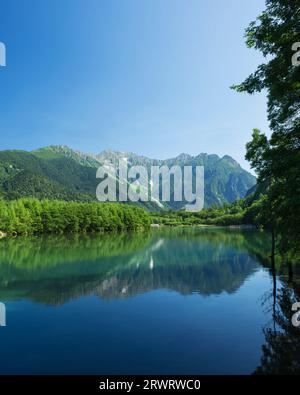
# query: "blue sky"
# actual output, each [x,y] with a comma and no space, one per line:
[149,76]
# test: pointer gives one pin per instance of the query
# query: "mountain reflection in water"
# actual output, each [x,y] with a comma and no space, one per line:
[187,260]
[168,301]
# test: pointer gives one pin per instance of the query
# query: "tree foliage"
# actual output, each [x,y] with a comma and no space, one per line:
[277,159]
[32,216]
[241,212]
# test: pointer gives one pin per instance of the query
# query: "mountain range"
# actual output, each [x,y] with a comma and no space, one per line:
[59,172]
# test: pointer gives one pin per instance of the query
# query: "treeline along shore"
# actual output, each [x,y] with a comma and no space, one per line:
[30,216]
[33,216]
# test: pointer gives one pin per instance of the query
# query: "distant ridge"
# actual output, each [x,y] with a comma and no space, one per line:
[59,172]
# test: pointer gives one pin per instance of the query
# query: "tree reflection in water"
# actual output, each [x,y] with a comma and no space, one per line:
[281,351]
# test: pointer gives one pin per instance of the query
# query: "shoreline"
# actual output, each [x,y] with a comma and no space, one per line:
[141,229]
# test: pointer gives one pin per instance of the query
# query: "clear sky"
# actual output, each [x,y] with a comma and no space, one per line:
[148,76]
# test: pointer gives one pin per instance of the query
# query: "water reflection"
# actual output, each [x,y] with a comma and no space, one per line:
[54,270]
[169,301]
[281,351]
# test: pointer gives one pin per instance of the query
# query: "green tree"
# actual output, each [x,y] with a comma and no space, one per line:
[277,159]
[31,216]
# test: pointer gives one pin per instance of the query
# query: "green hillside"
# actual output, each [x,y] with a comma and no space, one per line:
[225,180]
[58,172]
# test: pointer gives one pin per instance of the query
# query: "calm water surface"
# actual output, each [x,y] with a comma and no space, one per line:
[186,300]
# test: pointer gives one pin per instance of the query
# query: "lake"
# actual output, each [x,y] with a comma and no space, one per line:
[168,301]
